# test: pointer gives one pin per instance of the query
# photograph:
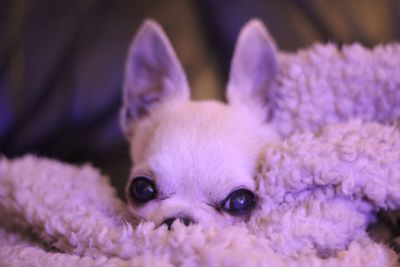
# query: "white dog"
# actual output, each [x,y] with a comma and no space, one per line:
[195,161]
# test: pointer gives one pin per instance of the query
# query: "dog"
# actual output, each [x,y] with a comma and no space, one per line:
[195,161]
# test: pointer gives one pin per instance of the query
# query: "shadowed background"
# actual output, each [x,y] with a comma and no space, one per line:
[61,62]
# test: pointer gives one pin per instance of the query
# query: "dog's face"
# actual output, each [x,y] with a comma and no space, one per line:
[195,161]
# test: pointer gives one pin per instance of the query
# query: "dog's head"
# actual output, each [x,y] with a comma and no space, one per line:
[195,161]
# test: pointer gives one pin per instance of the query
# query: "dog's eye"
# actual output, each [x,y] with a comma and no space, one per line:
[239,202]
[142,189]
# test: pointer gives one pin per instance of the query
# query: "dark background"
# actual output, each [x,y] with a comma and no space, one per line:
[61,62]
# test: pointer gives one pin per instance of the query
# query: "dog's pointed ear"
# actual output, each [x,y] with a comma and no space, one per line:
[153,74]
[254,66]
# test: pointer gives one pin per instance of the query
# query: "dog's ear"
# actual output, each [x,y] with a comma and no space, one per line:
[254,66]
[153,74]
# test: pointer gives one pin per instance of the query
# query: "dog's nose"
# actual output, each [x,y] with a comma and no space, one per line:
[185,220]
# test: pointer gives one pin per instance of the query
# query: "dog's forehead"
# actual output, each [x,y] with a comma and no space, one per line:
[203,148]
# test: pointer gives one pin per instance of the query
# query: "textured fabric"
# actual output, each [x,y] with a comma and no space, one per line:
[318,195]
[322,85]
[319,188]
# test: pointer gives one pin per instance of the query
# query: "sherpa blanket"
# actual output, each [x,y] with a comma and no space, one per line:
[319,188]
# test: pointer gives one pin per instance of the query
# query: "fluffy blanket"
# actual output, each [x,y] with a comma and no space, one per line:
[319,188]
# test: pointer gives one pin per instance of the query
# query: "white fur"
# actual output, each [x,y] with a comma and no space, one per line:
[196,153]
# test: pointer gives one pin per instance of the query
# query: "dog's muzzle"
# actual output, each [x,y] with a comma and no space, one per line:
[184,219]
